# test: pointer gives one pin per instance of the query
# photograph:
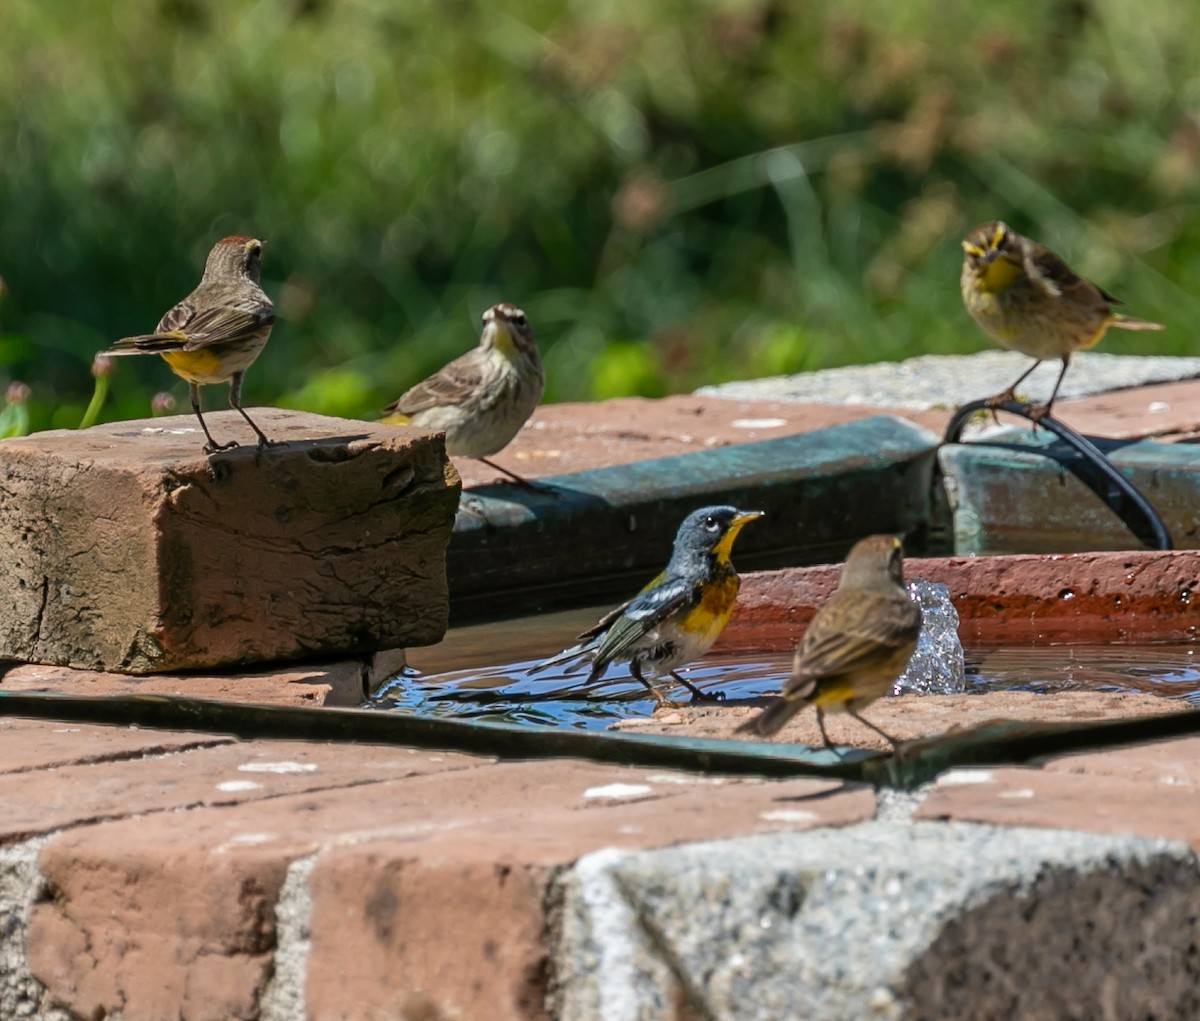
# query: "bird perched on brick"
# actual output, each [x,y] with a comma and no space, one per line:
[1027,299]
[859,642]
[216,332]
[678,616]
[482,398]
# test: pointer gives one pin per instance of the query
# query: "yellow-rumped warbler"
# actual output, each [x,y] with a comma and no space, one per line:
[1028,300]
[482,398]
[679,615]
[216,332]
[859,642]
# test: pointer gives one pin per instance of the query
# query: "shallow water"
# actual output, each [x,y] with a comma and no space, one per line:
[482,672]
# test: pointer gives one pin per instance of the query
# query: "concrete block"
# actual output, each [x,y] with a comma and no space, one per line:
[1018,496]
[129,550]
[883,921]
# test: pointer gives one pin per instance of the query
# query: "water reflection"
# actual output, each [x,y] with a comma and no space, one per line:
[481,672]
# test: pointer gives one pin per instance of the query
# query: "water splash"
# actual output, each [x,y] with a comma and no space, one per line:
[937,666]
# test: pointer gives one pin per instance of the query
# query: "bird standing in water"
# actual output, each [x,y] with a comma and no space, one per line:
[678,616]
[859,642]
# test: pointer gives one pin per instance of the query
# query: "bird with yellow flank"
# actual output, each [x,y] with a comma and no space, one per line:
[216,332]
[859,642]
[1028,300]
[678,616]
[482,398]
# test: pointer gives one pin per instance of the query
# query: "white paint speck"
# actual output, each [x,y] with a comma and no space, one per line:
[1156,407]
[233,786]
[684,778]
[789,815]
[278,767]
[758,423]
[965,777]
[1022,792]
[618,790]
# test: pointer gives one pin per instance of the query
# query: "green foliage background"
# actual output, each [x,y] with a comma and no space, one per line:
[677,193]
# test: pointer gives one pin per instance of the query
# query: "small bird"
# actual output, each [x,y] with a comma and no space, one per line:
[1029,300]
[678,616]
[216,332]
[859,642]
[482,398]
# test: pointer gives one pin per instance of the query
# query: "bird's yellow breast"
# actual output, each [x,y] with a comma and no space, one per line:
[196,366]
[998,275]
[711,613]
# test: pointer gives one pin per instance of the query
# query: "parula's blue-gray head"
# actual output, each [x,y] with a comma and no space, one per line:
[710,532]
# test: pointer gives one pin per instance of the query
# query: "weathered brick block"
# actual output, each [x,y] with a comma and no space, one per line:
[127,549]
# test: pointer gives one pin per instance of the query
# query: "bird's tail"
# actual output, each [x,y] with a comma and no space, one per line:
[772,719]
[1121,322]
[575,652]
[149,343]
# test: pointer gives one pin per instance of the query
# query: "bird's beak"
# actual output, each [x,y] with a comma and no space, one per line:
[747,516]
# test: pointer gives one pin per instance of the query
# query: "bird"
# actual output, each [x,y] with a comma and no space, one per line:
[481,399]
[1028,300]
[678,616]
[216,332]
[859,642]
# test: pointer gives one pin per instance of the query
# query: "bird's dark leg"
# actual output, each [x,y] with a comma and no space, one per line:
[1011,393]
[520,480]
[697,694]
[212,446]
[235,401]
[867,723]
[635,668]
[821,723]
[1039,413]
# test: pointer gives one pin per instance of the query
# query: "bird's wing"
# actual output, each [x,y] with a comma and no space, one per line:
[641,615]
[219,325]
[1055,277]
[448,385]
[828,651]
[621,627]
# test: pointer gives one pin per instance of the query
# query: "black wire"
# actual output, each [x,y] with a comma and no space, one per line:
[1095,471]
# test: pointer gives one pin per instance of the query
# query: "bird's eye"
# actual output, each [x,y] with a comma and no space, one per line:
[518,318]
[711,524]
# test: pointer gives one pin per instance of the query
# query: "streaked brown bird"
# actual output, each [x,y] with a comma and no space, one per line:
[482,398]
[216,332]
[1028,300]
[859,642]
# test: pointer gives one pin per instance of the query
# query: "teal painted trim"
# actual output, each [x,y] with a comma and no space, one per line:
[1015,494]
[595,534]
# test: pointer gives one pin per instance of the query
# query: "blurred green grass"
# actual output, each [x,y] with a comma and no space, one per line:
[676,193]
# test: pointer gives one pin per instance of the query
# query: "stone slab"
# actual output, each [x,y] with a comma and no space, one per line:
[564,438]
[949,381]
[322,684]
[892,922]
[188,771]
[28,745]
[480,844]
[908,717]
[1058,798]
[132,551]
